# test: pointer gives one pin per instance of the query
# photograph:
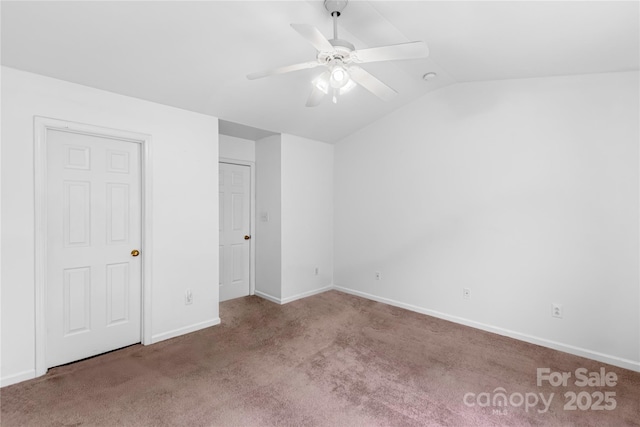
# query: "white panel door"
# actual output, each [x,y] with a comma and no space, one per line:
[235,226]
[93,288]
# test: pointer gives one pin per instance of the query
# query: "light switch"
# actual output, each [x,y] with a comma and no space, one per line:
[264,216]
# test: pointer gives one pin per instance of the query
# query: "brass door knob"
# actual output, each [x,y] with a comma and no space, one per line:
[247,237]
[135,252]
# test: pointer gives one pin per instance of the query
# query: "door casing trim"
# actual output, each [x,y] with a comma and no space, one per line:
[41,126]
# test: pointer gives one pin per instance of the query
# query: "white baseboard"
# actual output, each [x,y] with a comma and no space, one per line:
[589,354]
[185,330]
[294,297]
[268,297]
[19,377]
[30,374]
[306,294]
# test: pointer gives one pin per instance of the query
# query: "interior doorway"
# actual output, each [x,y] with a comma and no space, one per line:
[236,213]
[92,232]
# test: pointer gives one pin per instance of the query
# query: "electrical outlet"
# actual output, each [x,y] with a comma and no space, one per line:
[316,271]
[378,275]
[188,297]
[556,310]
[466,293]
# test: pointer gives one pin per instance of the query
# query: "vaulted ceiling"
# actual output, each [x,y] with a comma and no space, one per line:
[196,55]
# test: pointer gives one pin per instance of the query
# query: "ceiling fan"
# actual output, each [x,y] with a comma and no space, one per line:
[340,58]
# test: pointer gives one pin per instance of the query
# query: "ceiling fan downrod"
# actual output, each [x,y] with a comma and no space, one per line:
[335,7]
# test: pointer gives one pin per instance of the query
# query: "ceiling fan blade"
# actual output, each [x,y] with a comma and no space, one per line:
[285,69]
[412,50]
[315,97]
[372,84]
[314,36]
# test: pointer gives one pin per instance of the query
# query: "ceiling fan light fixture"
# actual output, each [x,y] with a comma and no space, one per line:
[339,76]
[347,87]
[321,83]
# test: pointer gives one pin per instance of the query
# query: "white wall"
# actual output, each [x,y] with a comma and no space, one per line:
[524,191]
[295,188]
[185,235]
[307,216]
[268,239]
[231,147]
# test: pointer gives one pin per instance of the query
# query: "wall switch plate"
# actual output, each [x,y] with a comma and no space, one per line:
[188,297]
[264,216]
[316,271]
[556,310]
[378,275]
[466,293]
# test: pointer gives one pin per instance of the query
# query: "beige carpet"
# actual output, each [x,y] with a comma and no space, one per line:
[328,360]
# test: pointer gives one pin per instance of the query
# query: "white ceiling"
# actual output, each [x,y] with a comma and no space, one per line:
[195,55]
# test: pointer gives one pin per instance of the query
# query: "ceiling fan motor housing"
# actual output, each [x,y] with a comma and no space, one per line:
[342,52]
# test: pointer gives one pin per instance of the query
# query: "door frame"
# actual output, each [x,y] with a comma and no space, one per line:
[41,126]
[252,217]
